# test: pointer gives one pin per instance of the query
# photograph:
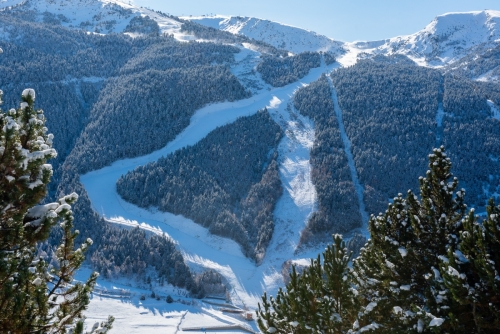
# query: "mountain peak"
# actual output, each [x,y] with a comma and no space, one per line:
[446,39]
[470,25]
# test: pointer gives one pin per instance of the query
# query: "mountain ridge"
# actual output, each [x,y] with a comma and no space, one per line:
[447,39]
[279,35]
[425,47]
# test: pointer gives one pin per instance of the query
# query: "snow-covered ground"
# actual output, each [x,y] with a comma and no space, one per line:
[201,249]
[244,66]
[122,300]
[487,77]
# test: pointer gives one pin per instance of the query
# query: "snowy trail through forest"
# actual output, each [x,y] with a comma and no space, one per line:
[350,160]
[439,124]
[247,280]
[495,111]
[440,115]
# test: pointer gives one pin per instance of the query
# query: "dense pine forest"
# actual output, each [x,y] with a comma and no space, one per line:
[234,199]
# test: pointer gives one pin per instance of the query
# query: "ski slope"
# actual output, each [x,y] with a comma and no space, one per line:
[201,249]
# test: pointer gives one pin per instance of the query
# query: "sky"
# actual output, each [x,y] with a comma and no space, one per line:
[345,20]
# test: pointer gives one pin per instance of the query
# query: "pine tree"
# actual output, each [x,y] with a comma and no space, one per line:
[398,272]
[319,300]
[429,267]
[471,273]
[35,297]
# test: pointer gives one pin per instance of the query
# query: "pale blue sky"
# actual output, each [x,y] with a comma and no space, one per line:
[345,20]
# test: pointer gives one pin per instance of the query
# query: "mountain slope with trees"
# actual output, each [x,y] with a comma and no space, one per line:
[228,182]
[110,96]
[73,72]
[389,113]
[338,209]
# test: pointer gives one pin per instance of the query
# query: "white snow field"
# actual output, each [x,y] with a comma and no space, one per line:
[133,315]
[200,248]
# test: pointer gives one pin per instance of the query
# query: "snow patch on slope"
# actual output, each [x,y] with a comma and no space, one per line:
[243,68]
[487,77]
[294,157]
[299,198]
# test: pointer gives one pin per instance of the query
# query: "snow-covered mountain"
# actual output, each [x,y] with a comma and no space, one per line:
[446,39]
[465,42]
[100,16]
[277,34]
